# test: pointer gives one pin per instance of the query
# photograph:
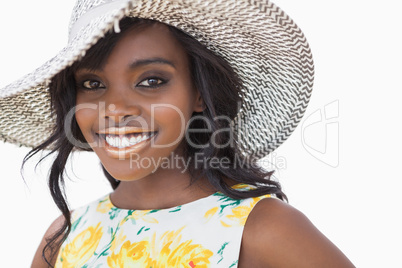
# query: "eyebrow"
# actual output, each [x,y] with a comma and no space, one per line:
[139,63]
[133,65]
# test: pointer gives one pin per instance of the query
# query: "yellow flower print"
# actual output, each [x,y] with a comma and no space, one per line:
[188,255]
[161,246]
[104,206]
[143,215]
[168,239]
[165,251]
[210,213]
[239,214]
[117,241]
[81,249]
[171,251]
[131,255]
[242,186]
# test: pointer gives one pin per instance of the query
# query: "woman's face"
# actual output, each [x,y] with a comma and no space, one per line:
[133,110]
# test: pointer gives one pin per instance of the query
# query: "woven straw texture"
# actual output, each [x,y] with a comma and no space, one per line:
[263,45]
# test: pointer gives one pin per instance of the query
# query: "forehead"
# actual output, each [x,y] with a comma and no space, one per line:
[151,41]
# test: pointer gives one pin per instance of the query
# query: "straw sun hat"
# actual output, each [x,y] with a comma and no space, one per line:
[264,46]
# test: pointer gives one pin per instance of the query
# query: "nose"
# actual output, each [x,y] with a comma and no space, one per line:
[120,108]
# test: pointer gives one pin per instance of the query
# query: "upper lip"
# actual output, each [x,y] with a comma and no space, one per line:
[124,130]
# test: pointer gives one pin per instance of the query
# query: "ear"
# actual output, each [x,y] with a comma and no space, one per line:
[199,103]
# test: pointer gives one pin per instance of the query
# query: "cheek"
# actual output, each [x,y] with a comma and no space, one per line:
[86,117]
[172,122]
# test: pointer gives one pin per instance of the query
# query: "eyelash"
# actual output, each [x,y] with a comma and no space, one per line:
[82,85]
[160,82]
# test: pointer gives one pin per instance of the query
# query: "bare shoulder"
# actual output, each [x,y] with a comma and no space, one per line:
[38,261]
[278,235]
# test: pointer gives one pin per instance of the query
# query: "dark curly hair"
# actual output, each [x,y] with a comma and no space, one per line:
[220,89]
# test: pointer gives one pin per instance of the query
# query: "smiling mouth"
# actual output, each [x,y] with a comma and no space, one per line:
[121,140]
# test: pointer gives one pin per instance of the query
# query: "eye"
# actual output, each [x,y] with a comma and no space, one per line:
[151,82]
[92,84]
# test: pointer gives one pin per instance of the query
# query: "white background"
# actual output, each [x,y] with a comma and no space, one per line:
[341,169]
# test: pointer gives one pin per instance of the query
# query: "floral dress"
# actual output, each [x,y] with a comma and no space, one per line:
[203,233]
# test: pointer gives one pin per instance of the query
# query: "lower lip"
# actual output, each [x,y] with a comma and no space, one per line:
[126,152]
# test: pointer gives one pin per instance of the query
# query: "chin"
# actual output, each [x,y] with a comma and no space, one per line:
[128,173]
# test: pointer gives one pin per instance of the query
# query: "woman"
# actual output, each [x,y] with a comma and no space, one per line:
[149,94]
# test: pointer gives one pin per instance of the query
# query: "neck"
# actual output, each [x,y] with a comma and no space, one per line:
[163,189]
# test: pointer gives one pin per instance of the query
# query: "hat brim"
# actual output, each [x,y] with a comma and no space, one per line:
[263,45]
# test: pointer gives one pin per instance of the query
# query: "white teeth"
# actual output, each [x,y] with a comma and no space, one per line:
[125,142]
[122,142]
[111,141]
